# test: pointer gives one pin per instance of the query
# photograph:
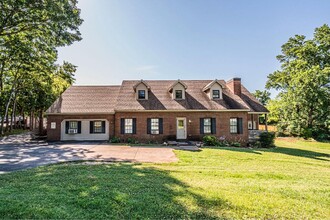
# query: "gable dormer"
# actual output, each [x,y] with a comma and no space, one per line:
[178,90]
[141,90]
[214,90]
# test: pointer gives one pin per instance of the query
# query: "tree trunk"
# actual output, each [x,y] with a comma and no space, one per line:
[31,121]
[14,111]
[41,122]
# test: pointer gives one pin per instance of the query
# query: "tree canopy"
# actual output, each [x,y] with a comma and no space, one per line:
[303,83]
[30,33]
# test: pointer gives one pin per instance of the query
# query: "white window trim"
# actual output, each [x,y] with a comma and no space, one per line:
[209,125]
[128,125]
[154,126]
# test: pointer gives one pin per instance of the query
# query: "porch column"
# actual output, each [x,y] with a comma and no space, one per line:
[253,122]
[266,122]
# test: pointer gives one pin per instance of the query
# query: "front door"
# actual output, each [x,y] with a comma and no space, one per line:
[181,128]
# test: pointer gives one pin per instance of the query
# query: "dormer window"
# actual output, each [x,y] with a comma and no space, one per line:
[215,94]
[141,94]
[214,89]
[178,90]
[141,89]
[178,94]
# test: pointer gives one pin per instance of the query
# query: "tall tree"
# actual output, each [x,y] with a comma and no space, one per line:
[30,33]
[262,96]
[304,84]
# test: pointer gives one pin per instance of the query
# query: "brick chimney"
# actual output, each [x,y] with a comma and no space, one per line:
[235,86]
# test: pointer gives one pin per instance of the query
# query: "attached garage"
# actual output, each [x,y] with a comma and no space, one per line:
[83,113]
[73,129]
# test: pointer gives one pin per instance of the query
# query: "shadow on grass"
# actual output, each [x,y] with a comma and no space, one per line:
[280,150]
[115,191]
[236,149]
[300,153]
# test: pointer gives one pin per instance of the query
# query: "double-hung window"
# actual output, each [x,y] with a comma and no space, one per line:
[154,126]
[233,126]
[236,125]
[141,94]
[207,126]
[73,127]
[215,94]
[128,126]
[178,94]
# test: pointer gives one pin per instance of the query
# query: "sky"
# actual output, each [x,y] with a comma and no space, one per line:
[188,39]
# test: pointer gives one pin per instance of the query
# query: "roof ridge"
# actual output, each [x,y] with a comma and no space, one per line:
[95,85]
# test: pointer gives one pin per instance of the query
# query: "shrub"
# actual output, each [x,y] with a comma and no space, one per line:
[235,144]
[115,139]
[132,141]
[267,139]
[210,140]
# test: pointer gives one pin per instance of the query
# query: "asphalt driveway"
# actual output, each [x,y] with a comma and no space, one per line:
[19,152]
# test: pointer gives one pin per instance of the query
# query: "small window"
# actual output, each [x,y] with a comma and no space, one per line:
[128,126]
[73,125]
[97,128]
[233,126]
[53,125]
[207,126]
[178,94]
[215,94]
[154,126]
[141,94]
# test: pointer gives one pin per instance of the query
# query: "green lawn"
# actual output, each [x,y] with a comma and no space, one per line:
[291,182]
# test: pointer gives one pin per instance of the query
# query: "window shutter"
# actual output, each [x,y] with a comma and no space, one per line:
[122,125]
[91,127]
[148,125]
[67,127]
[134,125]
[213,126]
[240,125]
[160,126]
[201,125]
[103,126]
[79,127]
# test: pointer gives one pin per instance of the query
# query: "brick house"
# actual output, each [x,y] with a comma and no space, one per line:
[155,110]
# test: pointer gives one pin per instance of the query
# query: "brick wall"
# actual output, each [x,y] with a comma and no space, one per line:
[193,125]
[55,134]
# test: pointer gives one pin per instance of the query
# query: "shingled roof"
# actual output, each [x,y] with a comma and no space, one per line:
[160,98]
[86,99]
[108,99]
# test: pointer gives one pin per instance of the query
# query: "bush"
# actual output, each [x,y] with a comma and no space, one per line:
[267,139]
[210,140]
[132,141]
[235,144]
[115,139]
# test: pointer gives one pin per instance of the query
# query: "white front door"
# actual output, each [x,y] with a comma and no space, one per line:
[181,128]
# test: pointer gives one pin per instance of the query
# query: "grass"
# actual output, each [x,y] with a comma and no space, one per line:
[291,181]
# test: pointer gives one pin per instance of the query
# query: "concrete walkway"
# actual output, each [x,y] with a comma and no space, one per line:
[19,152]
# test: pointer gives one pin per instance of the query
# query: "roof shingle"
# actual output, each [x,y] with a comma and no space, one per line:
[108,99]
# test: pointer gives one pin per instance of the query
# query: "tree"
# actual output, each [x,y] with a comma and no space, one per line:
[30,33]
[262,96]
[303,83]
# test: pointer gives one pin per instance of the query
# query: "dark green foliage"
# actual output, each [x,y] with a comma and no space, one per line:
[210,140]
[302,105]
[30,33]
[267,139]
[115,139]
[132,141]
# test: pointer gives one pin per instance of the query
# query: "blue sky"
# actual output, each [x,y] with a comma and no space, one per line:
[188,39]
